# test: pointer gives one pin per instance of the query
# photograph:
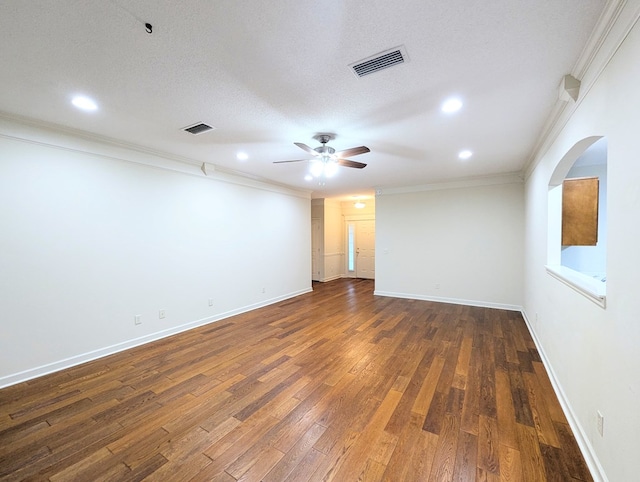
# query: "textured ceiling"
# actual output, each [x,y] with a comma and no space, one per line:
[267,74]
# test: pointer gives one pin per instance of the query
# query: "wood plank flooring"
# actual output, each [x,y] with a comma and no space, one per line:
[332,385]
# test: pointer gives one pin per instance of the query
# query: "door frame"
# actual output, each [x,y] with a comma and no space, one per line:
[316,248]
[347,220]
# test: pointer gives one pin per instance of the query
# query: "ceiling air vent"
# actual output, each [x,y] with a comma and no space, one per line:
[383,60]
[198,128]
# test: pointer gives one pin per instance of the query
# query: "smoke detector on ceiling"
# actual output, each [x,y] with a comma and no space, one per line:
[380,61]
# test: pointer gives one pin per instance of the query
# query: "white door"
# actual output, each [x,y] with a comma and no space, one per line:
[315,249]
[365,249]
[361,249]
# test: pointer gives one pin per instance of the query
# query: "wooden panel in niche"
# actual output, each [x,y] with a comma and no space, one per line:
[580,211]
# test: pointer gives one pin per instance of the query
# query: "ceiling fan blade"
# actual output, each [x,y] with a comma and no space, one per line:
[348,163]
[305,147]
[294,160]
[354,151]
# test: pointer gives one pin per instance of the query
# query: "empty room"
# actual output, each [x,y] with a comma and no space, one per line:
[304,241]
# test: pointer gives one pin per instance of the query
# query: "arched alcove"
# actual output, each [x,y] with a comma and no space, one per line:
[569,159]
[581,267]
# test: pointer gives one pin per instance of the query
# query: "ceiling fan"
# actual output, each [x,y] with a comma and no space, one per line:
[326,159]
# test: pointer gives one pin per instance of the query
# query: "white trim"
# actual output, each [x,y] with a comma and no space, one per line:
[589,454]
[71,140]
[110,350]
[331,278]
[359,217]
[508,178]
[595,290]
[612,28]
[455,301]
[605,23]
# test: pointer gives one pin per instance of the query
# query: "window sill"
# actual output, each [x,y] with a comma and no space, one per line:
[592,288]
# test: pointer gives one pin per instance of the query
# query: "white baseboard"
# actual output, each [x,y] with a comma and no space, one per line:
[331,278]
[75,360]
[597,471]
[455,301]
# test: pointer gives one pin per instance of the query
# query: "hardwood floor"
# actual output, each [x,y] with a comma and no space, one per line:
[332,385]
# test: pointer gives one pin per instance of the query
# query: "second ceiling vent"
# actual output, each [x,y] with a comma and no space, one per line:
[198,128]
[380,61]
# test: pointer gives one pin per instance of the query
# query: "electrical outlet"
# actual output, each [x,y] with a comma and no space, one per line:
[437,286]
[137,320]
[600,421]
[210,301]
[263,289]
[161,314]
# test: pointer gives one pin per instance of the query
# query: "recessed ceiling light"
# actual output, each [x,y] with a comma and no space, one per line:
[308,177]
[242,156]
[451,105]
[466,154]
[84,103]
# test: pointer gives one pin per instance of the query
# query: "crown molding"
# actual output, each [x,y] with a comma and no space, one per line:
[508,178]
[613,26]
[62,138]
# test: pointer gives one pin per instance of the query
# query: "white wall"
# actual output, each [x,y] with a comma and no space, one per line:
[593,353]
[462,245]
[89,239]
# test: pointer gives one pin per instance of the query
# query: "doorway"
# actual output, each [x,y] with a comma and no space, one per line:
[361,241]
[316,246]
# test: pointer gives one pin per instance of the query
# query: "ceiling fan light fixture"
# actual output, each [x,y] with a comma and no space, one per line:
[316,168]
[330,168]
[326,161]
